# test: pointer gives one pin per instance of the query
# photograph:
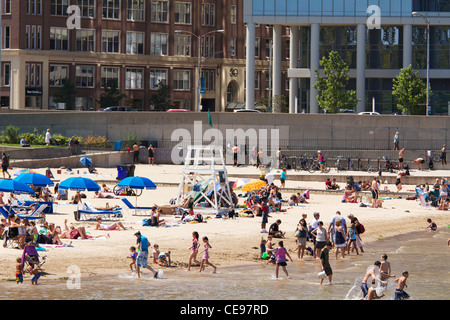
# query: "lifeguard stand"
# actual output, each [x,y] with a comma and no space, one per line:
[205,172]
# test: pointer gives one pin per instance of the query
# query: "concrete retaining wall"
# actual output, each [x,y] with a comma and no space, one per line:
[296,131]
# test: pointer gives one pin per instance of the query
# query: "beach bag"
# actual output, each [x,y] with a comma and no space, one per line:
[146,222]
[198,217]
[361,228]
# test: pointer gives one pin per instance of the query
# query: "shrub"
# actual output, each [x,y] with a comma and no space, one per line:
[12,134]
[96,142]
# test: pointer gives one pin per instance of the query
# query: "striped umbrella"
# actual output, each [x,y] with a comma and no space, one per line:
[240,183]
[253,185]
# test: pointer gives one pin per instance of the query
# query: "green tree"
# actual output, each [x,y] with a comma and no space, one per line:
[112,96]
[333,94]
[410,91]
[161,99]
[66,94]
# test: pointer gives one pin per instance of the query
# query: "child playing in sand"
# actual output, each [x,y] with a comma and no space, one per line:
[280,254]
[194,248]
[161,258]
[270,249]
[205,258]
[19,271]
[132,256]
[432,226]
[35,274]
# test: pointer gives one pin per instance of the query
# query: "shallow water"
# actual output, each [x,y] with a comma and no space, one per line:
[425,255]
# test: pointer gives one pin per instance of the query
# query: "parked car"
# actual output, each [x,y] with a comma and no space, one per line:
[119,108]
[346,111]
[247,110]
[178,110]
[371,113]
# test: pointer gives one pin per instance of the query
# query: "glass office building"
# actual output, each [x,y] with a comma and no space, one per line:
[376,38]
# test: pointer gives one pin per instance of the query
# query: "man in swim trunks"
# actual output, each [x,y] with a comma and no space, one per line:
[142,257]
[375,191]
[400,159]
[370,274]
[401,284]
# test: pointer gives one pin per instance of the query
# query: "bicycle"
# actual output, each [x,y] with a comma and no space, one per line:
[388,164]
[339,166]
[360,165]
[304,162]
[118,190]
[316,166]
[369,166]
[435,156]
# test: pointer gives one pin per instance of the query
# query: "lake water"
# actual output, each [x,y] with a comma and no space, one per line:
[425,255]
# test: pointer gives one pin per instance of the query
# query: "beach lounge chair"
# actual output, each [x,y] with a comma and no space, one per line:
[87,211]
[142,211]
[35,215]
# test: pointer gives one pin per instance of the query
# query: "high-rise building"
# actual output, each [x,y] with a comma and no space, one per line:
[134,43]
[376,38]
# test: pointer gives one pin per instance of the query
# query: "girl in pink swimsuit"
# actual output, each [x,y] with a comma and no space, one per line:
[205,257]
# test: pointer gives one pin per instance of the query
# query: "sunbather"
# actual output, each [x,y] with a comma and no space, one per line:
[107,207]
[114,226]
[75,233]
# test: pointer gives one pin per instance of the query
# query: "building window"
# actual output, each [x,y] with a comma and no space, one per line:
[6,74]
[33,37]
[33,74]
[7,7]
[182,45]
[257,47]
[136,10]
[210,79]
[32,6]
[135,43]
[208,17]
[182,13]
[208,46]
[158,44]
[87,8]
[157,76]
[257,79]
[84,103]
[110,76]
[59,39]
[111,41]
[160,11]
[111,9]
[84,76]
[233,14]
[86,40]
[233,46]
[7,37]
[58,74]
[181,79]
[57,7]
[134,79]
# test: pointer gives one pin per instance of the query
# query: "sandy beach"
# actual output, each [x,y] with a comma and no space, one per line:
[233,241]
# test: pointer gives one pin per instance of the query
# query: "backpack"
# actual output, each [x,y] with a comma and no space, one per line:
[361,229]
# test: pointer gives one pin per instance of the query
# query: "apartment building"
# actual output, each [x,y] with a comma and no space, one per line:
[135,43]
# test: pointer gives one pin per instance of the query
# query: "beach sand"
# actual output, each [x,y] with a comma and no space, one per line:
[233,241]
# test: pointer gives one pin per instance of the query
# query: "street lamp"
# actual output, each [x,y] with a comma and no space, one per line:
[427,21]
[199,39]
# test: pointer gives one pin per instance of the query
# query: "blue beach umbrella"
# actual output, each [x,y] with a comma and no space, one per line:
[15,187]
[35,179]
[86,161]
[79,184]
[137,183]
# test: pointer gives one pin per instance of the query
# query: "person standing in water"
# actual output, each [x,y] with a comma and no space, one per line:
[400,294]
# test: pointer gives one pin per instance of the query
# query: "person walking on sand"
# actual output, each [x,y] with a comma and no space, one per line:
[400,294]
[325,262]
[283,178]
[398,182]
[205,258]
[375,192]
[194,248]
[135,153]
[280,254]
[142,257]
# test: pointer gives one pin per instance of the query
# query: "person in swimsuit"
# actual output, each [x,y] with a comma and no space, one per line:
[400,294]
[385,270]
[398,182]
[114,226]
[280,254]
[205,258]
[400,159]
[370,274]
[19,271]
[432,226]
[375,192]
[151,155]
[194,248]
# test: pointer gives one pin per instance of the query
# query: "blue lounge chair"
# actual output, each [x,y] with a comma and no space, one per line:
[35,215]
[88,211]
[143,211]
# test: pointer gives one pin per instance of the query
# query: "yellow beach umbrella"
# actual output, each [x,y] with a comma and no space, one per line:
[253,185]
